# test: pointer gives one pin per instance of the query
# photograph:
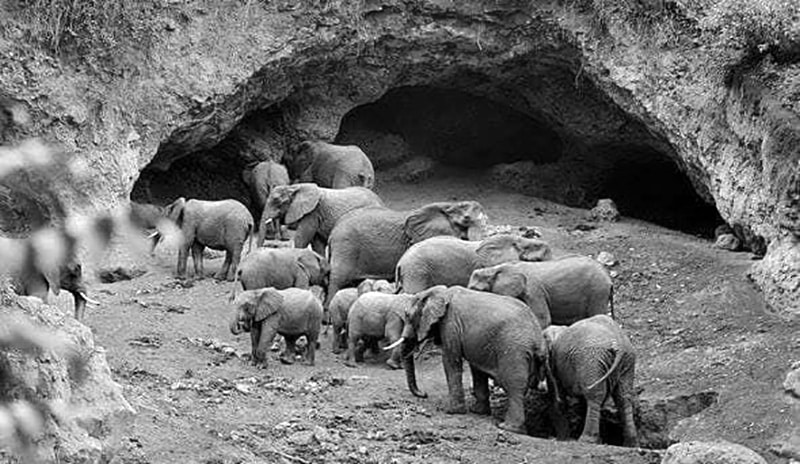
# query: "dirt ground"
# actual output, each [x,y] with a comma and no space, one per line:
[697,322]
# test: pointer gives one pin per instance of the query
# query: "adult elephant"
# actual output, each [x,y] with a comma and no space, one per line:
[368,243]
[573,287]
[261,179]
[44,262]
[282,268]
[219,225]
[329,165]
[495,334]
[450,261]
[314,210]
[592,359]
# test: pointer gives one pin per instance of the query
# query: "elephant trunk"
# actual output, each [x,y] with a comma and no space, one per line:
[477,229]
[407,354]
[80,304]
[238,326]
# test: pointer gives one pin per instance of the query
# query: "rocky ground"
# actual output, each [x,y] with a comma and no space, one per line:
[708,349]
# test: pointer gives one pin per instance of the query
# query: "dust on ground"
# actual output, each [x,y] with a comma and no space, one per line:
[697,322]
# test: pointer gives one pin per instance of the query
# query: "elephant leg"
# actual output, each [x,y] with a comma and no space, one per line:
[305,232]
[236,255]
[183,257]
[594,402]
[222,274]
[350,356]
[197,259]
[453,371]
[336,340]
[359,349]
[311,348]
[515,383]
[623,395]
[264,343]
[287,357]
[480,388]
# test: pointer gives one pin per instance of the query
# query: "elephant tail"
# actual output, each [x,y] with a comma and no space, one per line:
[611,302]
[614,365]
[398,281]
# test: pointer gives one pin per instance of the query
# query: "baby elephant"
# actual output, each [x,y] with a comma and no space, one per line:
[292,312]
[341,304]
[376,316]
[592,358]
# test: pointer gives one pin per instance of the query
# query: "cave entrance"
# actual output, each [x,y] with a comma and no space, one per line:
[528,152]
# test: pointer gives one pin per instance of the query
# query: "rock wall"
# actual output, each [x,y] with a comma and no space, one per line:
[597,76]
[92,409]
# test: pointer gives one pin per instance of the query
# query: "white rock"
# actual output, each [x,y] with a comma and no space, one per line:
[305,438]
[792,382]
[606,259]
[721,452]
[606,210]
[728,242]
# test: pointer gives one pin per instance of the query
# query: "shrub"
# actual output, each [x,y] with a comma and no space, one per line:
[755,25]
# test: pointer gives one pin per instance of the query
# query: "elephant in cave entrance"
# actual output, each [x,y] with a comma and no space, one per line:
[219,225]
[331,166]
[261,179]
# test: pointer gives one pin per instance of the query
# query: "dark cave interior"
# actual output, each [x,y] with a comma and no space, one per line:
[520,151]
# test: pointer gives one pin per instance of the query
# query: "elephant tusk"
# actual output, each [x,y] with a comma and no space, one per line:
[153,234]
[268,221]
[88,300]
[395,344]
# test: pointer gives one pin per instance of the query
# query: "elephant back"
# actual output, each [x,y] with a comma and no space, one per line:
[267,267]
[442,260]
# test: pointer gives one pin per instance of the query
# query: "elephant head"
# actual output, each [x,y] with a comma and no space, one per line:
[465,220]
[254,306]
[427,309]
[505,279]
[502,248]
[291,202]
[175,211]
[300,160]
[315,267]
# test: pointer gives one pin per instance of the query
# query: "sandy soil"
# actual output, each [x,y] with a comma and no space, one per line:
[697,322]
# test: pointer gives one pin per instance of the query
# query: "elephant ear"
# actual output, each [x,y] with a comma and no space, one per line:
[432,307]
[428,221]
[312,264]
[510,283]
[267,304]
[175,211]
[305,199]
[247,177]
[498,249]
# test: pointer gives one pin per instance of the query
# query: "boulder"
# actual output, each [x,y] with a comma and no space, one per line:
[606,210]
[792,382]
[721,452]
[91,408]
[728,242]
[606,259]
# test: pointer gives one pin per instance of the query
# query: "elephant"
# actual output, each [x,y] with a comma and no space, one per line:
[314,210]
[368,242]
[148,217]
[331,166]
[574,287]
[450,261]
[373,317]
[341,304]
[282,268]
[219,225]
[592,358]
[292,312]
[496,335]
[46,261]
[260,180]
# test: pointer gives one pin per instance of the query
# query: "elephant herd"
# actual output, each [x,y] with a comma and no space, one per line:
[517,311]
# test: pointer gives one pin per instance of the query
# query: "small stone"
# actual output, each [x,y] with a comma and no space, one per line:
[606,210]
[243,388]
[362,450]
[792,383]
[305,438]
[721,452]
[728,242]
[323,435]
[606,259]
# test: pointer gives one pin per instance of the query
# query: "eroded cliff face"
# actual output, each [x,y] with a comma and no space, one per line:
[613,106]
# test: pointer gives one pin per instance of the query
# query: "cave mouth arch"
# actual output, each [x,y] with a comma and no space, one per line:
[521,151]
